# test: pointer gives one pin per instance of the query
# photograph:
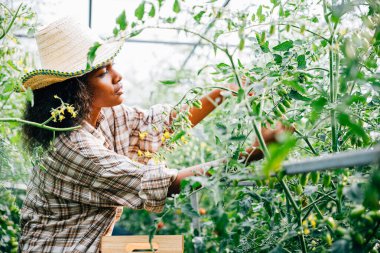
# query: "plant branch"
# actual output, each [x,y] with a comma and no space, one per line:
[40,125]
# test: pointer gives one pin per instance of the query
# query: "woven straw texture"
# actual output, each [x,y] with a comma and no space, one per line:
[63,46]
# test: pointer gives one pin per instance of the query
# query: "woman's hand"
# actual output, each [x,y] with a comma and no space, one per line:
[197,170]
[269,134]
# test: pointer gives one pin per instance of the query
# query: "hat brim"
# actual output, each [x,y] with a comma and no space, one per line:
[41,78]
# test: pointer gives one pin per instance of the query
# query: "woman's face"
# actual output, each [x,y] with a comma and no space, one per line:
[106,87]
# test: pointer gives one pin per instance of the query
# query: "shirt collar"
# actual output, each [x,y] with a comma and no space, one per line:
[94,130]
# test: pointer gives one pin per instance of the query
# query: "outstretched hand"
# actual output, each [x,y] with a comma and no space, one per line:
[254,153]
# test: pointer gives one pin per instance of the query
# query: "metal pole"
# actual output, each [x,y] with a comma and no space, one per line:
[195,220]
[90,13]
[334,161]
[329,162]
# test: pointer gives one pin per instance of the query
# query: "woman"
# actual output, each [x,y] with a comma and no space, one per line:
[86,176]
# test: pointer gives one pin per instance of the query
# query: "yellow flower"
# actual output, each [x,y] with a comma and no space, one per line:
[167,135]
[183,139]
[306,231]
[61,117]
[148,154]
[304,223]
[70,109]
[156,160]
[163,139]
[142,135]
[62,110]
[312,220]
[139,153]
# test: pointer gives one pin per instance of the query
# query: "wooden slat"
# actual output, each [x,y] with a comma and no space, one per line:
[123,244]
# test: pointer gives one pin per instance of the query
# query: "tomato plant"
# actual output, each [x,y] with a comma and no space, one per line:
[317,70]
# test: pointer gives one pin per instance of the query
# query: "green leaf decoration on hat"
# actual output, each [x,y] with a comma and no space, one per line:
[91,54]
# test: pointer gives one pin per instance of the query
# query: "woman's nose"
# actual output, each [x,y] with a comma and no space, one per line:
[117,77]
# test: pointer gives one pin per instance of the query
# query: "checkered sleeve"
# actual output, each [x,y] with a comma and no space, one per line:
[137,131]
[122,182]
[157,117]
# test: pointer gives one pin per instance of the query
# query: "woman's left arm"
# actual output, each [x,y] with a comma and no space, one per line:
[209,103]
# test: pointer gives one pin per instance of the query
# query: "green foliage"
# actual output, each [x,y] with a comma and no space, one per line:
[292,62]
[9,222]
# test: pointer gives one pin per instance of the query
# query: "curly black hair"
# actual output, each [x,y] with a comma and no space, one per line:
[73,91]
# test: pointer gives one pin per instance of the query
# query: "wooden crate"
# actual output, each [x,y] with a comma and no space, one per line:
[140,243]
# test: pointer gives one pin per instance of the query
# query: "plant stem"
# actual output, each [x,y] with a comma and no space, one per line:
[318,200]
[318,68]
[321,217]
[307,142]
[301,236]
[40,125]
[12,21]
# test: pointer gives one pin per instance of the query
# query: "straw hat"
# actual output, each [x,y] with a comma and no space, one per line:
[63,46]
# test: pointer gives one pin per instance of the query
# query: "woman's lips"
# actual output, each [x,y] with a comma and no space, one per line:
[119,90]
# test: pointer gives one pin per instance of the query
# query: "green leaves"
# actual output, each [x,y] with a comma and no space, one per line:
[240,95]
[284,46]
[301,61]
[223,67]
[139,12]
[91,54]
[260,15]
[152,11]
[297,96]
[168,82]
[277,154]
[345,120]
[198,16]
[317,107]
[188,210]
[176,6]
[178,136]
[264,45]
[121,20]
[277,59]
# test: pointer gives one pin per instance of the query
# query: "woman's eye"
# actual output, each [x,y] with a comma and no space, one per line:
[104,73]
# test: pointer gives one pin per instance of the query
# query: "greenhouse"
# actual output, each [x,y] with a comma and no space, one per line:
[190,126]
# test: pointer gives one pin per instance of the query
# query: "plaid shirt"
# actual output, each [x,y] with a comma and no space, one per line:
[74,200]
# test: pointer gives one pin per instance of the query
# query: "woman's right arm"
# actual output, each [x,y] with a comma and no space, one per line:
[197,170]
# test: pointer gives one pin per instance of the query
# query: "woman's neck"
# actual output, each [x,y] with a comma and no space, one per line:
[94,115]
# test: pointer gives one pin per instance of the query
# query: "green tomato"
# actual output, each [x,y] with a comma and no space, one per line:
[315,177]
[304,178]
[358,238]
[358,211]
[374,215]
[282,108]
[270,120]
[326,180]
[299,189]
[281,92]
[340,231]
[286,103]
[339,191]
[277,112]
[197,104]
